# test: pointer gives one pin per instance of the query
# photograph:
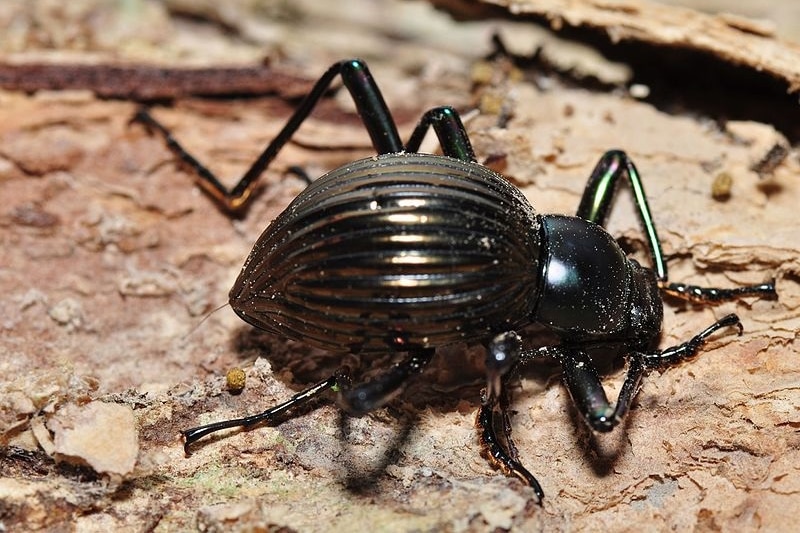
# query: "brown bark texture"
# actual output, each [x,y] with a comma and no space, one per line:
[114,263]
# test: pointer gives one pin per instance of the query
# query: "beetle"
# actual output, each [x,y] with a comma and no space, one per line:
[406,252]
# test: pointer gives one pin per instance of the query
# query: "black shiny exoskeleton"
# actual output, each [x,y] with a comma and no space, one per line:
[406,252]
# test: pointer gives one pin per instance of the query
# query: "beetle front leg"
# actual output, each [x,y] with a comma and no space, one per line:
[587,392]
[686,350]
[600,191]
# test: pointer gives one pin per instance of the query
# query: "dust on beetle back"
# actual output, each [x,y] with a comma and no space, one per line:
[395,252]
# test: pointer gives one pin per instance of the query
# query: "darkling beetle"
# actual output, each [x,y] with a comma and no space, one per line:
[406,252]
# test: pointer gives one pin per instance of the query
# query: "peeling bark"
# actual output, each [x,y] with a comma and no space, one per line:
[112,260]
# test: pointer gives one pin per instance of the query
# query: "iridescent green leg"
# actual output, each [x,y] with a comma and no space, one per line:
[447,124]
[595,205]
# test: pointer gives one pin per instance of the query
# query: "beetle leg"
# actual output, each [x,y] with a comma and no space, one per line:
[373,394]
[599,193]
[587,392]
[192,435]
[505,404]
[688,349]
[693,293]
[449,129]
[370,106]
[356,401]
[501,452]
[595,204]
[503,355]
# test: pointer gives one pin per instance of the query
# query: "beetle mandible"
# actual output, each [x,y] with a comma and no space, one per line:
[406,252]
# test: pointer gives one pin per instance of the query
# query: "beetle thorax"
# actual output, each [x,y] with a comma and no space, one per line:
[590,289]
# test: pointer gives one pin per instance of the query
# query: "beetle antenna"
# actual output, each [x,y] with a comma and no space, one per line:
[202,320]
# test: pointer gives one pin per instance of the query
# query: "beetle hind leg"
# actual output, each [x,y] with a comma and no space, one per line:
[361,399]
[355,400]
[371,107]
[192,435]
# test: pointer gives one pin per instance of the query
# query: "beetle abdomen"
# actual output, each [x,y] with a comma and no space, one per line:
[395,252]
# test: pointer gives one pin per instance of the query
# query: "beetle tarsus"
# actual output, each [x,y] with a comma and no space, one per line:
[696,294]
[689,349]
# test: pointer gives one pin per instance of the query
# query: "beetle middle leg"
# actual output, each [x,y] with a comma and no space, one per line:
[504,354]
[595,204]
[500,449]
[585,388]
[450,131]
